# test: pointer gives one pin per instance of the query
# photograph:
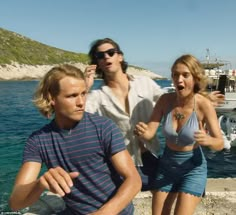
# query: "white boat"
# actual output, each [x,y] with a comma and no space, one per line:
[169,89]
[221,77]
[227,124]
[227,85]
[227,115]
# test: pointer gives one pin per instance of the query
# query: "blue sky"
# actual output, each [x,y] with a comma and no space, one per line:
[151,33]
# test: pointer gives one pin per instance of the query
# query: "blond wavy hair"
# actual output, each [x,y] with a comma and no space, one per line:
[197,71]
[49,87]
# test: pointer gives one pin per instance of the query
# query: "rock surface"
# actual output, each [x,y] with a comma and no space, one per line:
[16,71]
[220,199]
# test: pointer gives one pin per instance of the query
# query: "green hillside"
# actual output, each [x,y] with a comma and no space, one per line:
[17,48]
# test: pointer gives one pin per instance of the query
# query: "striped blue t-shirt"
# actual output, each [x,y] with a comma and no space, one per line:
[87,148]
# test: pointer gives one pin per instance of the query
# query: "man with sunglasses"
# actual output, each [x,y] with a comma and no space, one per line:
[126,100]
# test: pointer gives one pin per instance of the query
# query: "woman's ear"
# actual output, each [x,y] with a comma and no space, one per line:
[121,58]
[51,100]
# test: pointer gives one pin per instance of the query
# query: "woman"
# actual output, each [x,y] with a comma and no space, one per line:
[183,168]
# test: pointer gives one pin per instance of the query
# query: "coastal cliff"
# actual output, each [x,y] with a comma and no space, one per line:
[24,59]
[16,71]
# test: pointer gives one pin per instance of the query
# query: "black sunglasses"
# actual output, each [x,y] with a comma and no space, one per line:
[110,52]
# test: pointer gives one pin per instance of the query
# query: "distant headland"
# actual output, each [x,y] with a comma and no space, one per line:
[25,59]
[16,71]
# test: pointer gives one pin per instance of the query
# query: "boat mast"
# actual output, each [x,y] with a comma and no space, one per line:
[208,56]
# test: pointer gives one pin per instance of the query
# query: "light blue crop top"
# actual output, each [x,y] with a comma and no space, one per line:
[185,135]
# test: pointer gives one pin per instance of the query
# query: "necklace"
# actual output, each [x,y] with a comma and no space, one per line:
[179,116]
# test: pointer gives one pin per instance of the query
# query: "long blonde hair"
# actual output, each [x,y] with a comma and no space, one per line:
[49,87]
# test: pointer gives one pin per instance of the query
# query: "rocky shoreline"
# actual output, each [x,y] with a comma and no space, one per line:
[213,203]
[17,71]
[220,199]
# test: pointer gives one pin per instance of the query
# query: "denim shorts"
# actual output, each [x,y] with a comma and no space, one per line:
[148,171]
[182,172]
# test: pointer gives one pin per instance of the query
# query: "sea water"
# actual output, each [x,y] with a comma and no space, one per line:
[19,118]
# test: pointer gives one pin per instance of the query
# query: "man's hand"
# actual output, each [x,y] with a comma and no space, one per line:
[58,181]
[216,98]
[89,75]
